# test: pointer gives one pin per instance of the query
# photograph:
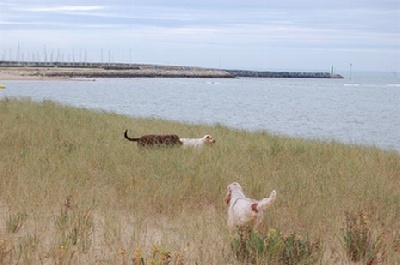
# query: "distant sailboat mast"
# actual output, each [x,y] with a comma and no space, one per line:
[351,71]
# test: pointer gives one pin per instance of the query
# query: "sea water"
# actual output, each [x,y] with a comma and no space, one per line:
[361,109]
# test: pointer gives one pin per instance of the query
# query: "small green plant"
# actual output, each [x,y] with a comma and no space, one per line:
[358,240]
[158,257]
[75,226]
[15,222]
[249,246]
[300,251]
[274,248]
[27,247]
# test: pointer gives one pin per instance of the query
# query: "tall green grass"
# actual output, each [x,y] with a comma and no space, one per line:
[88,196]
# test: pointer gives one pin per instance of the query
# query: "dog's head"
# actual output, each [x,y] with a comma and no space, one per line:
[208,139]
[231,188]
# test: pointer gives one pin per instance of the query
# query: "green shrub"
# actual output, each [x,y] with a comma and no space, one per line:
[275,248]
[16,221]
[358,240]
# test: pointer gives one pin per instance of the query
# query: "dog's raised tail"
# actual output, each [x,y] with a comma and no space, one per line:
[130,139]
[267,202]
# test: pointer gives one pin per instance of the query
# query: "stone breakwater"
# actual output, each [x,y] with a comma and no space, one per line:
[241,73]
[100,70]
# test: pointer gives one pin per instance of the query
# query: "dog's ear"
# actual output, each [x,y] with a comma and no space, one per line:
[254,207]
[228,196]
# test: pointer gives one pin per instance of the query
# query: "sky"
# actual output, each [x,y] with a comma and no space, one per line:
[264,35]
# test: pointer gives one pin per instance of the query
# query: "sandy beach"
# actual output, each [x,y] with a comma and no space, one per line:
[23,73]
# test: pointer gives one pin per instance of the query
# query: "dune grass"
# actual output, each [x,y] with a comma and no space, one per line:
[74,191]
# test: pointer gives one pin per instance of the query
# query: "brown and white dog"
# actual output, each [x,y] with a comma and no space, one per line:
[155,140]
[198,142]
[242,210]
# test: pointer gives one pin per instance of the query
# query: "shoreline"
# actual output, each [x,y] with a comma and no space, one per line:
[66,71]
[20,77]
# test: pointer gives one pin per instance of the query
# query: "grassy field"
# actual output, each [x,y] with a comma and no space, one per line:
[74,191]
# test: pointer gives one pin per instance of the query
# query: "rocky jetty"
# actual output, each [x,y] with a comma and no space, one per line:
[241,73]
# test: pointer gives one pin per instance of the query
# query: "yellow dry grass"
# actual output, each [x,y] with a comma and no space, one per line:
[91,197]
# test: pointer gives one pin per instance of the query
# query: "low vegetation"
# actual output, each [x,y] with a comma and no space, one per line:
[274,247]
[74,191]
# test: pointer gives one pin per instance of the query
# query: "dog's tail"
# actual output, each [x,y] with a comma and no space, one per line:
[266,202]
[130,139]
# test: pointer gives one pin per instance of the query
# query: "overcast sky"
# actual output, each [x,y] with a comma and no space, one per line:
[231,34]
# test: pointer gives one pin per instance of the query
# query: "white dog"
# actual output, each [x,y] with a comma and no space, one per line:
[197,142]
[243,210]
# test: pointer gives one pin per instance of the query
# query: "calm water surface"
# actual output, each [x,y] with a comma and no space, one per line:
[363,110]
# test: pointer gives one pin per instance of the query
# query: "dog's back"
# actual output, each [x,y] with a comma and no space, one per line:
[243,210]
[197,142]
[155,140]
